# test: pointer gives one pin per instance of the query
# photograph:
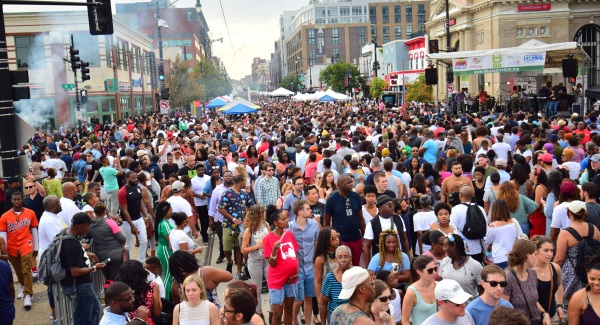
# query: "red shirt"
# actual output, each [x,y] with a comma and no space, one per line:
[18,229]
[286,265]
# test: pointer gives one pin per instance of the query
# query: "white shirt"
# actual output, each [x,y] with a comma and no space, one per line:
[68,210]
[385,224]
[179,204]
[56,164]
[177,237]
[301,160]
[501,149]
[50,225]
[458,217]
[159,283]
[574,169]
[198,184]
[422,221]
[560,219]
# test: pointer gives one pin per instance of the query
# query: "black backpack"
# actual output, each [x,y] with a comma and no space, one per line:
[588,246]
[50,270]
[476,224]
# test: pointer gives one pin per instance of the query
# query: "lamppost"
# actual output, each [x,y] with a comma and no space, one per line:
[298,58]
[375,62]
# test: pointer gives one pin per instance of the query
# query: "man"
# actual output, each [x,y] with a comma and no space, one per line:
[239,307]
[452,184]
[180,204]
[297,194]
[54,162]
[343,211]
[358,286]
[35,196]
[453,141]
[77,284]
[130,200]
[493,282]
[483,161]
[318,208]
[375,167]
[13,186]
[394,182]
[458,217]
[381,183]
[306,232]
[429,148]
[120,300]
[111,185]
[267,191]
[69,208]
[155,170]
[385,219]
[560,218]
[521,149]
[590,192]
[452,300]
[189,169]
[92,169]
[501,148]
[546,161]
[215,220]
[232,206]
[79,168]
[504,176]
[19,229]
[7,293]
[213,163]
[200,200]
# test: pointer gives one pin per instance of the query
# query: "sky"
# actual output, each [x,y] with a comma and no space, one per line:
[253,27]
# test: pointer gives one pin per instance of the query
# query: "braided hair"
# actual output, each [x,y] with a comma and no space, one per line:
[397,252]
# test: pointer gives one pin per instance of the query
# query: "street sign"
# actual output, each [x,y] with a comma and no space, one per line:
[450,88]
[164,106]
[68,86]
[110,85]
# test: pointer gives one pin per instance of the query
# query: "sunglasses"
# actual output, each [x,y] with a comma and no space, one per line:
[431,270]
[385,298]
[455,304]
[494,284]
[28,187]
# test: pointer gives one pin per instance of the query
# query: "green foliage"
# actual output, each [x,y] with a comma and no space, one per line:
[418,91]
[288,81]
[182,88]
[333,75]
[377,87]
[211,80]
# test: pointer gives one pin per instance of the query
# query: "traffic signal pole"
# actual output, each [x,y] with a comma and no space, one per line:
[77,102]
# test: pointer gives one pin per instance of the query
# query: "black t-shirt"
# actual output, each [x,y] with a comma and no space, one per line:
[169,169]
[389,193]
[318,210]
[35,204]
[93,167]
[72,254]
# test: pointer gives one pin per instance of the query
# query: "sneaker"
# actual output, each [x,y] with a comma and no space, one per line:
[205,243]
[27,302]
[220,259]
[20,295]
[242,276]
[230,268]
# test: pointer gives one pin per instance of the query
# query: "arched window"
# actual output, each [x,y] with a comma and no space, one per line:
[589,38]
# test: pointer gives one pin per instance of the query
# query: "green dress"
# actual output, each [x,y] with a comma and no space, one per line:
[163,252]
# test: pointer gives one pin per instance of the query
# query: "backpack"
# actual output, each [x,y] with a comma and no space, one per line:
[587,246]
[476,224]
[50,270]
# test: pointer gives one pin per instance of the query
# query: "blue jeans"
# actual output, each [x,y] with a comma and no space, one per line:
[525,228]
[553,109]
[86,307]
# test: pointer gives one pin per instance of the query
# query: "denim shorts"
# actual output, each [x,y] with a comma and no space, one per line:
[306,286]
[278,295]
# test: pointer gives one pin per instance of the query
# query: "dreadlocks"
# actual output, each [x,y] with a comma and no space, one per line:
[397,253]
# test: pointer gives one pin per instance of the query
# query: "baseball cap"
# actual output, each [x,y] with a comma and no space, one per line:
[324,133]
[568,188]
[177,186]
[81,218]
[243,155]
[351,279]
[553,137]
[501,162]
[141,153]
[313,148]
[595,158]
[13,179]
[576,206]
[546,157]
[385,152]
[450,290]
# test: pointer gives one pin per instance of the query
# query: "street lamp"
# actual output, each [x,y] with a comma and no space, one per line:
[198,6]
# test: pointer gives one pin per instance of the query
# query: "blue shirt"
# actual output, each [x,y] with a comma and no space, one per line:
[306,240]
[68,161]
[344,212]
[113,319]
[7,304]
[431,150]
[374,264]
[79,167]
[504,177]
[288,202]
[480,311]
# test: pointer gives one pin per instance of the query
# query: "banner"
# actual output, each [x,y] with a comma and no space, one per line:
[499,63]
[321,48]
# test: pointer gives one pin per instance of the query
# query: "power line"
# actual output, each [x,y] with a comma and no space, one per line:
[226,26]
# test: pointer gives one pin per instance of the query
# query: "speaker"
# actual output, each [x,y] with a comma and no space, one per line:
[431,76]
[570,68]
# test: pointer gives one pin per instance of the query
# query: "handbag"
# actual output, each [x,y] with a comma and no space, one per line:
[520,233]
[533,321]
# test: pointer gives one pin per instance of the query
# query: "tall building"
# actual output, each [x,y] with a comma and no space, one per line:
[395,20]
[261,74]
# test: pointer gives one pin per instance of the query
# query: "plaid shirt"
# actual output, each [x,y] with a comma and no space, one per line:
[267,191]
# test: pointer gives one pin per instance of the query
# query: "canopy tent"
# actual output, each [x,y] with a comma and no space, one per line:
[239,106]
[336,95]
[217,102]
[327,98]
[593,92]
[281,92]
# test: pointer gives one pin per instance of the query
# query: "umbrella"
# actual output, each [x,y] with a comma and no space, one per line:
[217,102]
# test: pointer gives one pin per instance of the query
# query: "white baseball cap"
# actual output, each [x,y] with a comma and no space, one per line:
[351,279]
[450,290]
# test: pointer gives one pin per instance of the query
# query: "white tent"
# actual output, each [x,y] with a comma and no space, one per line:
[336,95]
[281,92]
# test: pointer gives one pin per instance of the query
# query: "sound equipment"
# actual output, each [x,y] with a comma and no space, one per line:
[576,108]
[431,76]
[569,67]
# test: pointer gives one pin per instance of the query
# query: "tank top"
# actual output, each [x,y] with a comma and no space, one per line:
[196,315]
[255,238]
[339,316]
[422,310]
[544,292]
[589,316]
[328,266]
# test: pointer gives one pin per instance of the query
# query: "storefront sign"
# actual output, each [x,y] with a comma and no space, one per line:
[535,7]
[499,63]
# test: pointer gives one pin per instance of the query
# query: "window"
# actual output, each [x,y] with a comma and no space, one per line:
[544,31]
[311,37]
[321,21]
[332,11]
[361,35]
[374,33]
[397,14]
[344,11]
[108,48]
[421,9]
[88,47]
[192,16]
[30,52]
[335,55]
[386,34]
[409,31]
[320,12]
[421,17]
[332,21]
[312,55]
[521,32]
[357,10]
[373,15]
[408,10]
[532,31]
[398,32]
[334,37]
[385,14]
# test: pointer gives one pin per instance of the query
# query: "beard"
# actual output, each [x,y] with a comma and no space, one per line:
[457,175]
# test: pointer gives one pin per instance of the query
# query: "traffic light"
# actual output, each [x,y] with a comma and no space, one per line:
[84,71]
[83,96]
[74,53]
[161,72]
[572,80]
[100,18]
[450,76]
[434,46]
[164,93]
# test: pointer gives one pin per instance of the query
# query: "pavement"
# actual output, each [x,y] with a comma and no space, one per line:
[40,312]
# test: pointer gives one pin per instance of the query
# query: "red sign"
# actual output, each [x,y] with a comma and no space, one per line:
[452,22]
[535,7]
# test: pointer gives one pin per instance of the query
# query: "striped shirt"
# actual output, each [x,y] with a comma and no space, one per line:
[331,288]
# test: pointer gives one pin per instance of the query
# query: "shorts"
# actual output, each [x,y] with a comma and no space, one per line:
[276,296]
[231,238]
[306,286]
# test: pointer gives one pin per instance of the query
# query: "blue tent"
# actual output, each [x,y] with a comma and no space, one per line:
[327,98]
[217,102]
[240,108]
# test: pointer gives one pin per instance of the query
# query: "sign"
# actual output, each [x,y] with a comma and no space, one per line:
[152,65]
[110,85]
[534,7]
[450,88]
[137,82]
[164,106]
[499,63]
[321,48]
[529,84]
[124,86]
[68,87]
[78,116]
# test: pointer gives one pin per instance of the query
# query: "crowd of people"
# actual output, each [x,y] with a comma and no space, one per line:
[344,213]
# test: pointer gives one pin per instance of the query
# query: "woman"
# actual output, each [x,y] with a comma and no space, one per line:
[183,264]
[163,250]
[195,307]
[109,241]
[216,146]
[391,279]
[317,179]
[435,239]
[90,200]
[519,205]
[419,301]
[324,261]
[255,229]
[286,189]
[241,170]
[188,194]
[537,219]
[521,290]
[369,210]
[567,247]
[502,233]
[179,239]
[442,167]
[421,221]
[252,156]
[283,163]
[550,287]
[479,185]
[214,181]
[332,284]
[414,167]
[146,293]
[390,257]
[380,310]
[519,177]
[460,267]
[257,319]
[52,185]
[327,185]
[431,176]
[581,306]
[554,180]
[282,275]
[442,211]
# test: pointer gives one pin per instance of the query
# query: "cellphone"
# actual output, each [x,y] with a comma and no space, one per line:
[395,267]
[106,261]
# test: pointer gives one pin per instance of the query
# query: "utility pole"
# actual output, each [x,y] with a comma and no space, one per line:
[447,26]
[74,66]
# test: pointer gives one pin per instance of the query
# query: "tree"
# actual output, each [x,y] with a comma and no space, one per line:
[418,91]
[334,76]
[377,87]
[182,88]
[290,83]
[211,79]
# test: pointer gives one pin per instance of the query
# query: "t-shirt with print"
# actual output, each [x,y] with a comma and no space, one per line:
[72,255]
[286,264]
[235,204]
[18,226]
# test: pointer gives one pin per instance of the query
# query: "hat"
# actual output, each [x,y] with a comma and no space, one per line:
[324,133]
[595,158]
[576,206]
[383,200]
[553,137]
[351,279]
[177,186]
[313,148]
[562,123]
[450,290]
[385,152]
[13,179]
[141,153]
[501,162]
[545,158]
[81,218]
[549,147]
[568,188]
[243,155]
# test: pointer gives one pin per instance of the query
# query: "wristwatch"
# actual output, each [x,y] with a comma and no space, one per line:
[560,306]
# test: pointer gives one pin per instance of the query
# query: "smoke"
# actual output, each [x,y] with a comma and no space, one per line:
[37,112]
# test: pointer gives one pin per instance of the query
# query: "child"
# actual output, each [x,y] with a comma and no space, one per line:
[154,268]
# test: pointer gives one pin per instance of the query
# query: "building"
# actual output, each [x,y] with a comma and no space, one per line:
[397,20]
[261,77]
[39,42]
[404,61]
